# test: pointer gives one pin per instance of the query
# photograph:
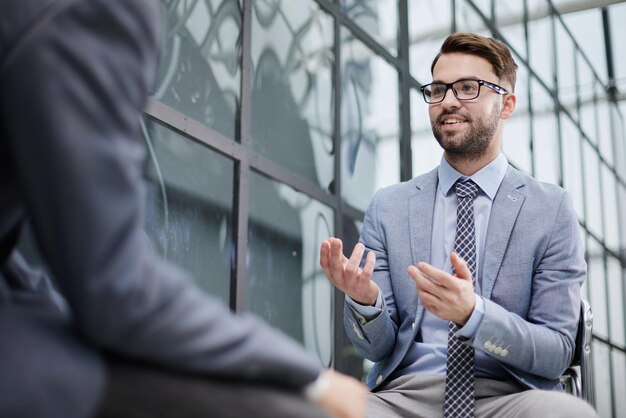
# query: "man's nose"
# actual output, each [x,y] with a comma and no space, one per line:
[449,99]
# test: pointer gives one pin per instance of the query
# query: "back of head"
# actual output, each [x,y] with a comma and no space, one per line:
[493,50]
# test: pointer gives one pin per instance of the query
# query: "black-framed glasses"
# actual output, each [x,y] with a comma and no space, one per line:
[465,89]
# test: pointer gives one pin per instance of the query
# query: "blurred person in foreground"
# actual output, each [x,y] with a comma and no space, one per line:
[468,296]
[127,334]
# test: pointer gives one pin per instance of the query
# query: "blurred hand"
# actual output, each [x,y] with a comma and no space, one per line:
[446,296]
[345,396]
[346,274]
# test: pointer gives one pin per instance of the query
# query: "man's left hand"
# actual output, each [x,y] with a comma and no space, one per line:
[446,296]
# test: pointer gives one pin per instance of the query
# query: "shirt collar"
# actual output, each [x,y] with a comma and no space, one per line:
[487,178]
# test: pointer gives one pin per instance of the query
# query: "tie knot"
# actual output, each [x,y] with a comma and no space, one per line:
[466,189]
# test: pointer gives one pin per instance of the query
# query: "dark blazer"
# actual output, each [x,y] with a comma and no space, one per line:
[73,79]
[533,268]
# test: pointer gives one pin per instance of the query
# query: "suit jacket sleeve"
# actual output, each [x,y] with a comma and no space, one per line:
[374,339]
[539,341]
[75,91]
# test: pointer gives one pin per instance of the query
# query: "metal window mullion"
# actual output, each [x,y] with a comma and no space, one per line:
[406,156]
[241,202]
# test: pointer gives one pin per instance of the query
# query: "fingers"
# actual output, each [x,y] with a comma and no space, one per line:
[460,267]
[352,266]
[368,268]
[337,260]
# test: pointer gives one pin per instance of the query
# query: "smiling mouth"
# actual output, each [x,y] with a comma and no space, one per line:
[452,121]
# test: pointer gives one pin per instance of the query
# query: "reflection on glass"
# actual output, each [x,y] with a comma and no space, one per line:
[292,95]
[379,18]
[286,285]
[189,194]
[199,71]
[369,122]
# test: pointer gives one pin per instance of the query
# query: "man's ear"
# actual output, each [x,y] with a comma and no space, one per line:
[508,106]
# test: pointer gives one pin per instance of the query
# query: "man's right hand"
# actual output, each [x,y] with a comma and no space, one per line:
[346,274]
[345,397]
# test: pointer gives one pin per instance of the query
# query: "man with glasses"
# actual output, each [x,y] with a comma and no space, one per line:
[464,289]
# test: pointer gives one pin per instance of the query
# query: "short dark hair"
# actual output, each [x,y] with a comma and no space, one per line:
[493,50]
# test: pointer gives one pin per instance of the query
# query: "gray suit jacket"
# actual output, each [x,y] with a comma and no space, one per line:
[533,268]
[74,76]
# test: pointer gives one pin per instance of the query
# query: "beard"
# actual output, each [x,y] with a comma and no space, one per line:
[474,143]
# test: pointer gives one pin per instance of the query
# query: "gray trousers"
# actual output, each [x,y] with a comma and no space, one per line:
[421,396]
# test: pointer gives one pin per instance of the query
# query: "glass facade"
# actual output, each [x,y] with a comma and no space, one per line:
[271,124]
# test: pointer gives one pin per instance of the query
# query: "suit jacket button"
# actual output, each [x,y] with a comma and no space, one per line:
[379,379]
[497,350]
[487,345]
[413,325]
[504,352]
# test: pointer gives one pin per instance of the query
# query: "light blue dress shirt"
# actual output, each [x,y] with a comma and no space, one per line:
[428,354]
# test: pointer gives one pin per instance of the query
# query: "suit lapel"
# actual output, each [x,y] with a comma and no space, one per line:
[506,206]
[421,206]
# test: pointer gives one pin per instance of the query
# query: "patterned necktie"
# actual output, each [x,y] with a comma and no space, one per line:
[459,395]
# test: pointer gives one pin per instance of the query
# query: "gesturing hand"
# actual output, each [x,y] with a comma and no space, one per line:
[449,297]
[346,274]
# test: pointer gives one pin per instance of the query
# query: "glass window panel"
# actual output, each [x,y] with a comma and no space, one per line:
[292,92]
[588,119]
[484,6]
[516,138]
[286,286]
[605,136]
[199,72]
[189,195]
[611,211]
[617,13]
[513,34]
[621,203]
[619,380]
[426,152]
[593,195]
[429,23]
[588,31]
[618,139]
[541,42]
[589,90]
[379,18]
[469,20]
[566,71]
[616,301]
[597,288]
[601,377]
[421,57]
[369,123]
[546,148]
[572,172]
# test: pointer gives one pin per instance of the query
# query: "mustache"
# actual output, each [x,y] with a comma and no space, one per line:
[445,113]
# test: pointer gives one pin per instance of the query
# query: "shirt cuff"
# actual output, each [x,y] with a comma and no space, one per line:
[365,313]
[316,389]
[470,328]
